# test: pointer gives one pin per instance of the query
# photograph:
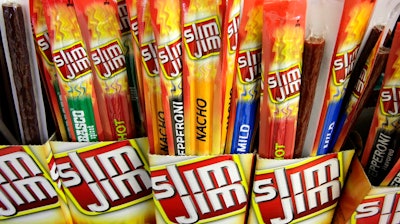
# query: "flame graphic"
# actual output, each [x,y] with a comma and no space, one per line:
[254,26]
[101,22]
[396,67]
[65,24]
[288,46]
[168,16]
[357,24]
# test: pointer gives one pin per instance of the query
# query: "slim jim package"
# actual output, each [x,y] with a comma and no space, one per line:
[245,96]
[49,75]
[74,71]
[283,39]
[202,87]
[353,24]
[99,21]
[166,20]
[155,116]
[130,60]
[106,182]
[132,8]
[372,70]
[230,42]
[382,149]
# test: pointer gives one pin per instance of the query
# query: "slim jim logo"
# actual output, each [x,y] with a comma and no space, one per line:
[72,62]
[171,59]
[24,186]
[43,42]
[123,16]
[109,59]
[149,58]
[297,192]
[343,64]
[249,65]
[284,85]
[233,34]
[362,81]
[202,38]
[384,209]
[108,178]
[390,100]
[211,188]
[135,29]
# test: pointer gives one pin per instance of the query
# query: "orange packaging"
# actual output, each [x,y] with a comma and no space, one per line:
[74,71]
[49,75]
[283,39]
[201,84]
[155,116]
[98,19]
[166,20]
[230,43]
[246,93]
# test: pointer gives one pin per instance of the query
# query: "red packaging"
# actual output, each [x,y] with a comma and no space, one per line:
[283,39]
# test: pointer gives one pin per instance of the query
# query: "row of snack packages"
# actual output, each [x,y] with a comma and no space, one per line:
[106,182]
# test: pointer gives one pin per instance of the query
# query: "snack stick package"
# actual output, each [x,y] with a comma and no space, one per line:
[155,117]
[392,179]
[49,75]
[372,70]
[201,62]
[111,79]
[166,20]
[132,7]
[74,71]
[382,149]
[131,68]
[283,39]
[230,42]
[245,99]
[353,24]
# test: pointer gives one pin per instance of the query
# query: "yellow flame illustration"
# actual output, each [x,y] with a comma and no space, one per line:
[288,45]
[254,26]
[358,23]
[168,16]
[65,23]
[102,21]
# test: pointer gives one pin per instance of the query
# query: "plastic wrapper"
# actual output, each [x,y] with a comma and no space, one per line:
[166,22]
[155,116]
[202,88]
[246,93]
[230,43]
[354,21]
[99,22]
[49,75]
[283,39]
[381,150]
[74,71]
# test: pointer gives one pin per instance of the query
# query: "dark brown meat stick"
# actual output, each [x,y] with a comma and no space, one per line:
[312,58]
[18,50]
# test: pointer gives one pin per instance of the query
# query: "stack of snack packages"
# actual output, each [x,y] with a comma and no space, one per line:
[250,109]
